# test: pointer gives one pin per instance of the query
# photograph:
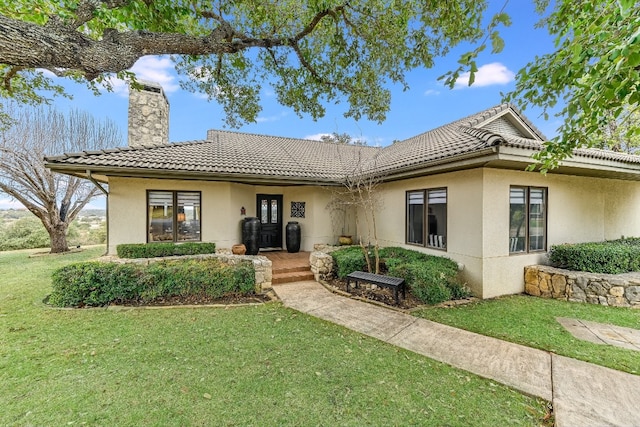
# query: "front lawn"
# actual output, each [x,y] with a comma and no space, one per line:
[262,365]
[531,321]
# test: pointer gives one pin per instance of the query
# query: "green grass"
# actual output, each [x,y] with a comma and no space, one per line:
[532,322]
[264,365]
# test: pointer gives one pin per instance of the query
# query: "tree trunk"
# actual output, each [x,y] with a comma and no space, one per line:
[58,235]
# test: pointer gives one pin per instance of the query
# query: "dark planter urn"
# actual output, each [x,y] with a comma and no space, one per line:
[251,235]
[293,236]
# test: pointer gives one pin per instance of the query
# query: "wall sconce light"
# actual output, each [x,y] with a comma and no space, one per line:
[181,217]
[243,211]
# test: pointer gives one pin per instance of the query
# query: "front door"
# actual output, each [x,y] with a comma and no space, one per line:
[270,214]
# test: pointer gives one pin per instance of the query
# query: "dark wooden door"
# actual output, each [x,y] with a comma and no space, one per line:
[269,209]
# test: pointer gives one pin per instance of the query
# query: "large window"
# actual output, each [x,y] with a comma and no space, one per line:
[173,216]
[527,219]
[427,218]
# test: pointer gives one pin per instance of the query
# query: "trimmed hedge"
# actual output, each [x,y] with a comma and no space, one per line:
[91,284]
[154,250]
[347,260]
[610,257]
[432,279]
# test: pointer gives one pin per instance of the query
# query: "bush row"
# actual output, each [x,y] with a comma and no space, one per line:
[431,279]
[154,250]
[99,284]
[611,257]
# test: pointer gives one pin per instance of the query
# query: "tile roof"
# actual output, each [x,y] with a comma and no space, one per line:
[231,153]
[246,155]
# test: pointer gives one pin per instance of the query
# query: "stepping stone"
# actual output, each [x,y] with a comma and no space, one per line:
[602,333]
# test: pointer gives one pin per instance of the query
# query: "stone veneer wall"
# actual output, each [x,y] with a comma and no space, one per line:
[619,290]
[261,264]
[322,262]
[148,115]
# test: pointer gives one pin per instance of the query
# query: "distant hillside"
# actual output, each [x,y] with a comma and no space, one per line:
[20,229]
[22,213]
[93,212]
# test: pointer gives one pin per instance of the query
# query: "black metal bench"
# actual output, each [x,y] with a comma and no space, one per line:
[378,279]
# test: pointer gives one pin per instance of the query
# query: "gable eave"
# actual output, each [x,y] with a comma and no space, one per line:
[518,120]
[577,165]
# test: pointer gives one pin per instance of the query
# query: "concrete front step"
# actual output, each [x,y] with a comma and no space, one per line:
[295,276]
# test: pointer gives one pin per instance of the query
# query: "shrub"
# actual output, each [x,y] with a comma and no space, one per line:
[432,279]
[347,260]
[94,284]
[154,250]
[99,284]
[611,257]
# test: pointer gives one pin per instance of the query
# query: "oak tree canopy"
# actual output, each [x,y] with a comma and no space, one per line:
[317,52]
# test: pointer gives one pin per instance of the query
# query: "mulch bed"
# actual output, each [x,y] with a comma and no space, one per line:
[385,296]
[232,299]
[377,294]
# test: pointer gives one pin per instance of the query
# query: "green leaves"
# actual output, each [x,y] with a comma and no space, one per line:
[311,53]
[100,283]
[625,7]
[594,73]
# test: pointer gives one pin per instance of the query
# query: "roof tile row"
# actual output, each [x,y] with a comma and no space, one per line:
[227,152]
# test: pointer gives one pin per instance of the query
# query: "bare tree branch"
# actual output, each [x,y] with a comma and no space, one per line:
[59,45]
[55,199]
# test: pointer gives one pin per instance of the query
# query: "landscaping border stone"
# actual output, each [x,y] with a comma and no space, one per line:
[321,262]
[617,290]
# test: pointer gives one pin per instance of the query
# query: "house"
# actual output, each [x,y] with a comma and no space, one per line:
[460,190]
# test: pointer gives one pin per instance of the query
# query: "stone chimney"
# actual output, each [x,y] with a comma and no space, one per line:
[148,115]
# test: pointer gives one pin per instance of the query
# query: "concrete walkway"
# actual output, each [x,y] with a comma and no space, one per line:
[601,333]
[582,394]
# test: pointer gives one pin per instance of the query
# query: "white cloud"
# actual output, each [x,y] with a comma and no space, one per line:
[158,69]
[317,136]
[495,73]
[274,118]
[430,92]
[10,204]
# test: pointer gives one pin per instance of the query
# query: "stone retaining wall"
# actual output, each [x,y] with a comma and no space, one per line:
[618,290]
[261,264]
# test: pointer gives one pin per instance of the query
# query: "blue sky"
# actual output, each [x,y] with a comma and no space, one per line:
[426,105]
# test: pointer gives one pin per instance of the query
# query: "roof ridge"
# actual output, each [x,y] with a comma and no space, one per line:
[482,116]
[461,122]
[261,135]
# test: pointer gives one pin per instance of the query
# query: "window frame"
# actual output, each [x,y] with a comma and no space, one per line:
[174,216]
[527,210]
[406,220]
[425,217]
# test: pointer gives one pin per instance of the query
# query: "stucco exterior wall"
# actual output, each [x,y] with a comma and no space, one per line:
[580,209]
[128,210]
[464,219]
[221,210]
[621,208]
